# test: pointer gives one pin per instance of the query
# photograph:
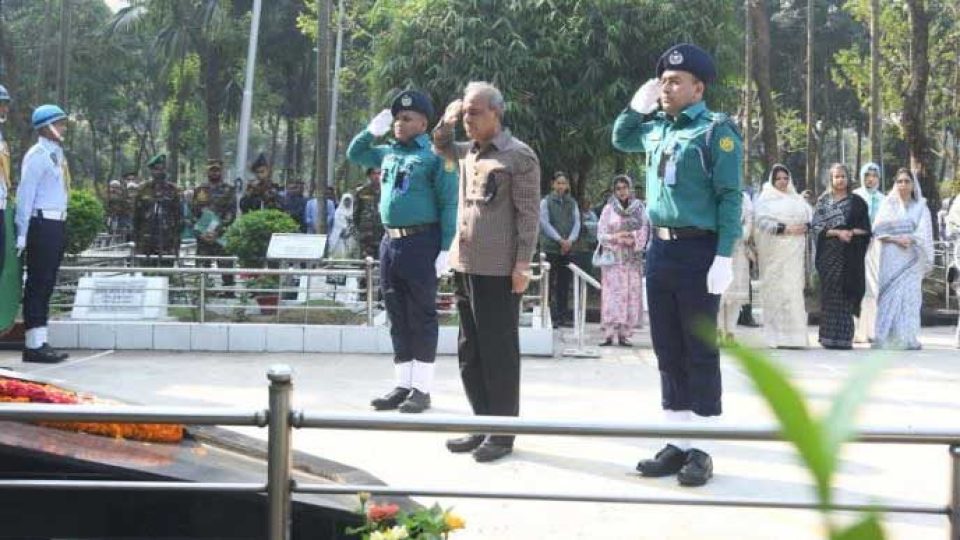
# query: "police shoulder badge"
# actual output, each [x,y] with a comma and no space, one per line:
[727,144]
[53,158]
[675,58]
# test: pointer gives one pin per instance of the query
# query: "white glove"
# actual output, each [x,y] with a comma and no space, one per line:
[645,100]
[442,264]
[381,123]
[21,245]
[720,275]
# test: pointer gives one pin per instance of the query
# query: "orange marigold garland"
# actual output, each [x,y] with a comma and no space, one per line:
[19,391]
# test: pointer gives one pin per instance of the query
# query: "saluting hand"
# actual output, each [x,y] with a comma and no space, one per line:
[452,115]
[646,98]
[380,124]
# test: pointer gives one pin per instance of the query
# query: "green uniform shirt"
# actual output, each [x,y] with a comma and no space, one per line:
[705,189]
[418,187]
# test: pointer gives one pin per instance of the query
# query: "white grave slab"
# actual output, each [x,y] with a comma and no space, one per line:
[124,297]
[296,246]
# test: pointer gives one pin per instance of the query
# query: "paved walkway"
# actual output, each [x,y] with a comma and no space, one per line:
[918,389]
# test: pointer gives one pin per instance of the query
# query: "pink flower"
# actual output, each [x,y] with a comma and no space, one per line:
[382,512]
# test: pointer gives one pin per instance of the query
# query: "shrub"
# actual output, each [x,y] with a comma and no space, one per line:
[249,236]
[85,218]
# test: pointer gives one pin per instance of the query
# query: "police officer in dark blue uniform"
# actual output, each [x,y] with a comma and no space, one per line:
[41,218]
[418,208]
[694,159]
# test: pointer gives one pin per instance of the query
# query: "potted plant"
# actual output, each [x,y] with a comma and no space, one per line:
[265,290]
[248,238]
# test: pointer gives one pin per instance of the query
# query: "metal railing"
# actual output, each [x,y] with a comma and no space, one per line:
[280,420]
[190,285]
[582,281]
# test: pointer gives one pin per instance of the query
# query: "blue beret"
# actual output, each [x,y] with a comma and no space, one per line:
[412,100]
[689,58]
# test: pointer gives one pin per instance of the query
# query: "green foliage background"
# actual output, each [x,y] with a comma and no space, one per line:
[85,218]
[249,236]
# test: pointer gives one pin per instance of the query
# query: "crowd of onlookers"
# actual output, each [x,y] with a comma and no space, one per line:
[868,248]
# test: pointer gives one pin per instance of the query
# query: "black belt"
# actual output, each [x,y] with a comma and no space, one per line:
[401,232]
[681,233]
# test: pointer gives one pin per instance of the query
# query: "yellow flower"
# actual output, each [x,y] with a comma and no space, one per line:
[453,521]
[397,532]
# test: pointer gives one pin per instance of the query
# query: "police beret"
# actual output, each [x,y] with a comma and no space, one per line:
[157,160]
[689,58]
[412,100]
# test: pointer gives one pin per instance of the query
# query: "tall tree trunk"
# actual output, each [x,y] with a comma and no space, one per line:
[211,65]
[17,132]
[288,159]
[811,170]
[876,131]
[274,133]
[63,54]
[859,145]
[914,100]
[761,75]
[176,125]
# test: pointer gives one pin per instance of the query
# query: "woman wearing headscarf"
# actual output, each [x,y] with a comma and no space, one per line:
[905,233]
[841,226]
[622,231]
[343,244]
[782,220]
[871,192]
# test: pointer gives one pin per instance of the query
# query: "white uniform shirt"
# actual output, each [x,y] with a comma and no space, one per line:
[42,184]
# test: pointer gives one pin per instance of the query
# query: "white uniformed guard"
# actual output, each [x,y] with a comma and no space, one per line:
[41,226]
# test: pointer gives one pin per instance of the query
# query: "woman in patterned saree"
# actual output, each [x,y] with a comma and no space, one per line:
[782,219]
[623,230]
[841,226]
[905,231]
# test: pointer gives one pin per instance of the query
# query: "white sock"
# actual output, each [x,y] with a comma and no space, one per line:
[36,337]
[422,376]
[677,417]
[403,372]
[704,421]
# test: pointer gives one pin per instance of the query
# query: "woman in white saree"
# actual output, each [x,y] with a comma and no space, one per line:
[905,231]
[782,219]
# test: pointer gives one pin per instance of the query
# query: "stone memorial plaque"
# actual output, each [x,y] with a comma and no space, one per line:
[297,246]
[123,297]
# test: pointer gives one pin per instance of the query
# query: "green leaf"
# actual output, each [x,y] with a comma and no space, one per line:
[796,424]
[838,425]
[868,528]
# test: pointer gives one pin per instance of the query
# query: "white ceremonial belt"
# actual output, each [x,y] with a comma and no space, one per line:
[56,215]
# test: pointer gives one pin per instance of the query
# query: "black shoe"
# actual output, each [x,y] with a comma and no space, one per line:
[62,355]
[668,461]
[44,355]
[697,470]
[464,444]
[606,343]
[416,402]
[624,342]
[491,451]
[391,400]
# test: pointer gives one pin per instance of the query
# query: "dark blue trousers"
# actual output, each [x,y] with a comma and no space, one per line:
[3,239]
[683,324]
[46,241]
[408,281]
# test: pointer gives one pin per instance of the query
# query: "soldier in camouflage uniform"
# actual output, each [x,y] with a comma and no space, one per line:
[119,211]
[366,215]
[220,198]
[261,193]
[156,216]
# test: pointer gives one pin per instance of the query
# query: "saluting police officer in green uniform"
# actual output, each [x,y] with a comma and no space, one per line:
[156,216]
[693,158]
[418,207]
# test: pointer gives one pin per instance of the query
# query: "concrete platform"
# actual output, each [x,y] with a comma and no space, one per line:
[919,389]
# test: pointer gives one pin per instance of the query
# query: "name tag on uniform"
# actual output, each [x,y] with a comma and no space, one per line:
[670,172]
